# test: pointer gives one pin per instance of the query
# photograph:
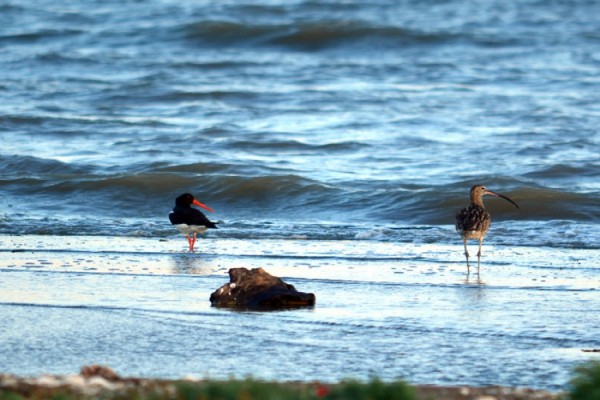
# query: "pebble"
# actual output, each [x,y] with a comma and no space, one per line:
[48,381]
[101,382]
[76,381]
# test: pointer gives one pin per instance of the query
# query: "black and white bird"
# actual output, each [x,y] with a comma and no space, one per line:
[188,220]
[473,221]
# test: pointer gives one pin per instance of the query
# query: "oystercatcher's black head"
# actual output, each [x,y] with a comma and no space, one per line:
[186,199]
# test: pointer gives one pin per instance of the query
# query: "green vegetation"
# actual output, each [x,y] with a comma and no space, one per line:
[7,395]
[585,384]
[235,390]
[374,390]
[242,390]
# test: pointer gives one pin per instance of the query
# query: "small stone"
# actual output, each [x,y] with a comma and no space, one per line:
[9,381]
[100,382]
[48,381]
[75,381]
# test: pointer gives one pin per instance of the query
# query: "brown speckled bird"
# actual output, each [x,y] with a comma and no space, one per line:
[474,221]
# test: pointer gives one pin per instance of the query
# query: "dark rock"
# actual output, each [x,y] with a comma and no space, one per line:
[256,289]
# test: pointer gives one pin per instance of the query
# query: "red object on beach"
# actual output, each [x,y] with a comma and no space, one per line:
[188,220]
[321,390]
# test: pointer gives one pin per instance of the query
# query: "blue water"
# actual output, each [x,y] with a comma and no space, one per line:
[320,122]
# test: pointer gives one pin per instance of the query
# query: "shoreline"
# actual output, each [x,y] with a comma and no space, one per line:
[69,299]
[101,381]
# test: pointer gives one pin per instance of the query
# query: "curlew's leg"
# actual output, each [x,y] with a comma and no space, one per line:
[479,255]
[466,251]
[479,252]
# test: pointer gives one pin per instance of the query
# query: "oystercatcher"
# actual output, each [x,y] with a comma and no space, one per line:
[189,220]
[473,221]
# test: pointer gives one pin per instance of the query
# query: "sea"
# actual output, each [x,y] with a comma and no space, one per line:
[335,140]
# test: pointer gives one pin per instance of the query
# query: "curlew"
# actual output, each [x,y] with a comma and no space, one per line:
[188,220]
[473,221]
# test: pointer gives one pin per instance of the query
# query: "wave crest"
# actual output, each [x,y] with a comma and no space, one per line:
[309,35]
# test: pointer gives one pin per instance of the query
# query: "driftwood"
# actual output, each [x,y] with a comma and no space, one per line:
[256,289]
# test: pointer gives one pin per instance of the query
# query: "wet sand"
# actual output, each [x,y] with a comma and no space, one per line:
[391,310]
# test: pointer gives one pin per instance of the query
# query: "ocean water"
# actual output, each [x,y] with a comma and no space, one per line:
[335,140]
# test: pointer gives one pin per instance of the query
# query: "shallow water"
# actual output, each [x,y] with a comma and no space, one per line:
[383,309]
[336,141]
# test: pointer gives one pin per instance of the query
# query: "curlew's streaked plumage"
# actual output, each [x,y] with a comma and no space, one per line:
[473,221]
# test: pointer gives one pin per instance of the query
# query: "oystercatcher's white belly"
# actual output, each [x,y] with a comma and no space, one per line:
[187,229]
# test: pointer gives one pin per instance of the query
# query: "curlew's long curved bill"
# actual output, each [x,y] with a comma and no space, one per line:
[501,195]
[207,208]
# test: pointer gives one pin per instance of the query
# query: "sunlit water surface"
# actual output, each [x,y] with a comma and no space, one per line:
[383,309]
[336,141]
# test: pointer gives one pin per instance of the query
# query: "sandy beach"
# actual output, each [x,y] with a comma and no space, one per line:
[390,310]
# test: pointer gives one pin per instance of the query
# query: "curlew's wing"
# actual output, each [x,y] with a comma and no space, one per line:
[473,218]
